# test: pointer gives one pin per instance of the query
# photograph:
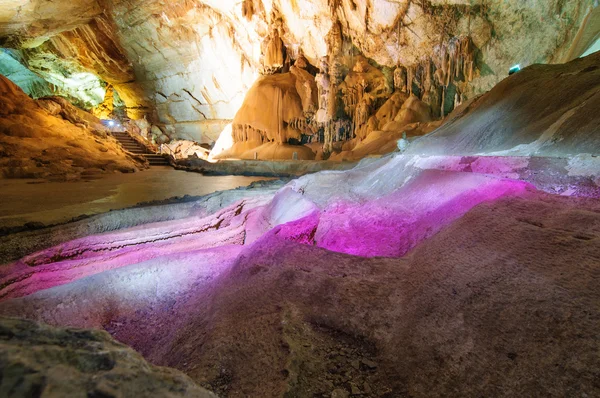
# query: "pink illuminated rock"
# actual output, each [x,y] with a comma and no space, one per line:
[392,225]
[417,207]
[281,316]
[363,277]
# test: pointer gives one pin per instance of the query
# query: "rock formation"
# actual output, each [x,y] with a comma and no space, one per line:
[562,128]
[269,119]
[51,138]
[188,66]
[38,360]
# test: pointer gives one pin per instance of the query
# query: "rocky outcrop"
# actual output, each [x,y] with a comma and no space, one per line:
[39,360]
[50,138]
[271,120]
[184,149]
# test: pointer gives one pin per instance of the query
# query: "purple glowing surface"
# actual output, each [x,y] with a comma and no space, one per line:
[387,226]
[392,225]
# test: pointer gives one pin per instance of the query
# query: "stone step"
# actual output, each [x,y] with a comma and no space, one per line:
[131,145]
[156,159]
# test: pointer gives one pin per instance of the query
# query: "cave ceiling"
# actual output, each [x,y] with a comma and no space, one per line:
[190,63]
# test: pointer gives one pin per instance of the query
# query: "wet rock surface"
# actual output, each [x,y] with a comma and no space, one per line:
[21,240]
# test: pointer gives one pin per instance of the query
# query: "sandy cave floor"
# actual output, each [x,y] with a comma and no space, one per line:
[24,201]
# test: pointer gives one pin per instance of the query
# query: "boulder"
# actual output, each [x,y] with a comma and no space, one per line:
[40,360]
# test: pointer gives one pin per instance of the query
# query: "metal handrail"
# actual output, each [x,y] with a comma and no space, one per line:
[170,151]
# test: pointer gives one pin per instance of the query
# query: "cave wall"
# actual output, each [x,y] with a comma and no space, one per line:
[12,67]
[188,65]
[196,60]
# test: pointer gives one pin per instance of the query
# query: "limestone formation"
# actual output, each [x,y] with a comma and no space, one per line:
[400,79]
[562,128]
[467,265]
[270,118]
[274,53]
[441,239]
[189,65]
[105,110]
[306,86]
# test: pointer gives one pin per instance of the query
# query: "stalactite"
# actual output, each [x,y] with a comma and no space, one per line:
[248,9]
[341,102]
[280,116]
[442,110]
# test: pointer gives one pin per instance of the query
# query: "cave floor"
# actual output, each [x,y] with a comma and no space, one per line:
[26,200]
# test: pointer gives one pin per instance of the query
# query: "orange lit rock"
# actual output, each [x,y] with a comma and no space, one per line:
[267,116]
[105,109]
[53,139]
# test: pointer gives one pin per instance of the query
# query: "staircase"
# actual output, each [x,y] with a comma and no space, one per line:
[131,145]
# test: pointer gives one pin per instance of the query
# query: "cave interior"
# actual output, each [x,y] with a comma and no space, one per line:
[299,198]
